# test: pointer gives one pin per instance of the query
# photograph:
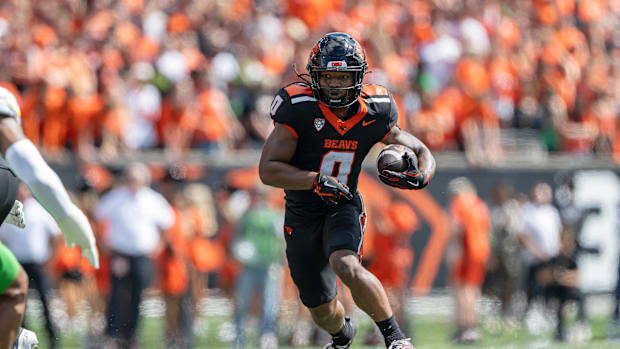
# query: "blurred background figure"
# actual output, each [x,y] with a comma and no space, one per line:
[258,245]
[469,255]
[135,216]
[560,279]
[77,281]
[614,324]
[206,254]
[34,246]
[504,270]
[573,216]
[143,100]
[540,238]
[391,257]
[174,265]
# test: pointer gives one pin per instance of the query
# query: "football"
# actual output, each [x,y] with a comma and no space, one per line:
[391,158]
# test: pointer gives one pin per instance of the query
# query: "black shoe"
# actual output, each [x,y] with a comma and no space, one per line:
[331,345]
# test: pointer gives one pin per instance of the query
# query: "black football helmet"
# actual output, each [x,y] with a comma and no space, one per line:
[337,52]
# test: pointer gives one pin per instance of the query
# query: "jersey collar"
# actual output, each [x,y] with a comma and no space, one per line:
[339,125]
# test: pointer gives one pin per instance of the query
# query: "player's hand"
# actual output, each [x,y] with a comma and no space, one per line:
[411,178]
[16,216]
[330,189]
[77,231]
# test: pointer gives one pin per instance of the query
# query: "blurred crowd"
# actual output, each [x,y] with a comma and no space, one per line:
[114,76]
[521,249]
[109,77]
[163,235]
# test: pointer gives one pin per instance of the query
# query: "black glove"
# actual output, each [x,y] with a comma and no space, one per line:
[330,189]
[411,178]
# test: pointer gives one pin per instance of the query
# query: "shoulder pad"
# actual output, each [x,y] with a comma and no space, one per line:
[298,88]
[299,92]
[376,94]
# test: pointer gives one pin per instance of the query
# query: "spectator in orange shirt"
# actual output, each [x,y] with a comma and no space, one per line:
[55,121]
[576,136]
[434,124]
[393,258]
[215,125]
[174,273]
[476,118]
[470,250]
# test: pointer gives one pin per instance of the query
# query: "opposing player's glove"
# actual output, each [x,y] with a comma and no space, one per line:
[411,178]
[16,216]
[330,189]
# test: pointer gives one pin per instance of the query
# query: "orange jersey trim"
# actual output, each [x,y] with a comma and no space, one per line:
[290,129]
[374,90]
[343,127]
[294,90]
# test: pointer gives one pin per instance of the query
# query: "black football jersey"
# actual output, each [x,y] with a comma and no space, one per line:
[327,144]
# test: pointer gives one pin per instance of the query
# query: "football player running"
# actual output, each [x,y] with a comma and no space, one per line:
[324,128]
[22,159]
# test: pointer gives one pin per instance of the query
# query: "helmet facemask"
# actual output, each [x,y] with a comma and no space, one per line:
[337,52]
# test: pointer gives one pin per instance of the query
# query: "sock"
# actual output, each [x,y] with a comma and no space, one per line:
[390,330]
[345,334]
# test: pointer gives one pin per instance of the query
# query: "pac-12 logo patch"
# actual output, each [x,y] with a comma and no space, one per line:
[288,230]
[319,123]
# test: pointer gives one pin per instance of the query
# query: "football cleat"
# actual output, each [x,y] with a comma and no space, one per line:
[401,344]
[26,339]
[334,346]
[331,345]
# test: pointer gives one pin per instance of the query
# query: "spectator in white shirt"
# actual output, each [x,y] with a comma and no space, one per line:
[33,246]
[540,237]
[144,103]
[135,216]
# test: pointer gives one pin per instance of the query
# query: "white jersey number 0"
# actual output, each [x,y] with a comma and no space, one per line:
[338,164]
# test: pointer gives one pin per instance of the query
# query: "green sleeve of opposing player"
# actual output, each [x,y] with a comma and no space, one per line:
[9,267]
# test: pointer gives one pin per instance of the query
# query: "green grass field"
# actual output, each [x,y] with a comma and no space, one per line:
[430,333]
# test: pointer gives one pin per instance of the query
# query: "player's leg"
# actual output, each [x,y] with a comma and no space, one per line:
[314,278]
[343,235]
[471,294]
[270,289]
[142,274]
[38,281]
[560,331]
[366,289]
[329,316]
[469,281]
[118,300]
[243,298]
[13,291]
[613,331]
[368,294]
[13,278]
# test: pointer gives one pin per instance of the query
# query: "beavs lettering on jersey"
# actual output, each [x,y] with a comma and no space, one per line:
[340,144]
